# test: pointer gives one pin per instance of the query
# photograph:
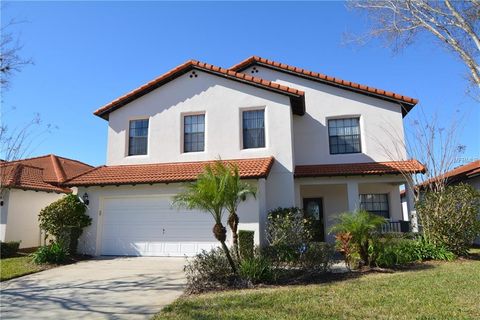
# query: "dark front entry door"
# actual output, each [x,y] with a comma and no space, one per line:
[313,208]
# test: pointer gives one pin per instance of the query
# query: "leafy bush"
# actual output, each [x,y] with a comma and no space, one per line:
[256,269]
[65,219]
[287,233]
[246,243]
[9,249]
[450,217]
[210,270]
[400,252]
[362,227]
[318,256]
[53,253]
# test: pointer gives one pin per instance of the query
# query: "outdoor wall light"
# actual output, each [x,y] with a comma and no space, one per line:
[85,199]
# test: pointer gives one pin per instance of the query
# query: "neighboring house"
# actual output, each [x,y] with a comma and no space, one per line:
[302,138]
[468,173]
[28,186]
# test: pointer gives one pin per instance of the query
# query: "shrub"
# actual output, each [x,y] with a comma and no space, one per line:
[9,249]
[53,253]
[246,242]
[210,270]
[318,256]
[287,233]
[449,217]
[400,252]
[256,269]
[65,219]
[362,227]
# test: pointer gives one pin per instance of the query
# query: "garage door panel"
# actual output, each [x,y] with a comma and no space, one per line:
[150,226]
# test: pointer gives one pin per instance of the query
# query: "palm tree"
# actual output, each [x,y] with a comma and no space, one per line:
[207,193]
[361,225]
[236,191]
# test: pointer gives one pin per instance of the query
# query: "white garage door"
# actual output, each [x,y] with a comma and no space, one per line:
[149,226]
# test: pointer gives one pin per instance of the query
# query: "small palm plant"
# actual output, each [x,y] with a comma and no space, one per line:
[207,193]
[236,191]
[361,226]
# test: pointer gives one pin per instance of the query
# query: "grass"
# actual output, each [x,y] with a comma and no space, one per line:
[18,266]
[432,291]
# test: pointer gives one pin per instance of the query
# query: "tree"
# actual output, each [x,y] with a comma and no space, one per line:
[455,24]
[207,193]
[10,59]
[236,191]
[361,226]
[450,217]
[65,219]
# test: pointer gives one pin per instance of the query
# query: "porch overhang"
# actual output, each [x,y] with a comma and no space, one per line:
[359,169]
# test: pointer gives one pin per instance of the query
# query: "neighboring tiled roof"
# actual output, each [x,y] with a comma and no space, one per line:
[166,172]
[409,102]
[22,176]
[56,169]
[297,106]
[459,174]
[352,169]
[44,173]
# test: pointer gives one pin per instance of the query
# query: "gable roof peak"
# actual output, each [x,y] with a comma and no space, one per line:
[296,96]
[407,102]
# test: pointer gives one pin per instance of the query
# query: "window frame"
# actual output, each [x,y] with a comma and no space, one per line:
[360,140]
[242,139]
[377,212]
[189,114]
[127,153]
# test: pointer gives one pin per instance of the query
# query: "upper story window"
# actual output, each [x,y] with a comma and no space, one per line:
[253,129]
[375,203]
[138,137]
[344,135]
[194,133]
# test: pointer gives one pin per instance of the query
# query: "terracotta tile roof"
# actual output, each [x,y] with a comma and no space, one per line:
[459,174]
[352,169]
[410,102]
[22,176]
[295,94]
[166,172]
[44,173]
[56,169]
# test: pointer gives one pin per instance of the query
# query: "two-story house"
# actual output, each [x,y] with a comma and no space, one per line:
[302,138]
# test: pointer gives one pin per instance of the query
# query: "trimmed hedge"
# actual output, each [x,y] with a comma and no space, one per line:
[246,243]
[9,249]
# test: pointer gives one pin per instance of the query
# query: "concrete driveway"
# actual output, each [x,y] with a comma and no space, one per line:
[107,288]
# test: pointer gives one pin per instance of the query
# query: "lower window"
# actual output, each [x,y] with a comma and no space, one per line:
[375,203]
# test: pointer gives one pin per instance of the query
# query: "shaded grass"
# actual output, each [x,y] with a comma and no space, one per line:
[442,291]
[18,266]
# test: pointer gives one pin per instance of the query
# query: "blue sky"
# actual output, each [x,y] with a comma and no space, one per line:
[89,53]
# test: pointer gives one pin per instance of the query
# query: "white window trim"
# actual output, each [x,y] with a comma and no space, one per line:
[265,121]
[363,145]
[127,137]
[182,132]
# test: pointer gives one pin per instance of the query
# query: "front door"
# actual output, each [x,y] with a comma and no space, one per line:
[313,208]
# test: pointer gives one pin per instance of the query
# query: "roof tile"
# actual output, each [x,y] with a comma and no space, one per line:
[367,168]
[367,89]
[191,64]
[165,172]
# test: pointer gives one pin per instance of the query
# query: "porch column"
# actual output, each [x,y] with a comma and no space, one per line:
[410,197]
[352,195]
[262,212]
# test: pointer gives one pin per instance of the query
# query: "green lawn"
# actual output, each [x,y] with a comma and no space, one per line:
[437,291]
[18,266]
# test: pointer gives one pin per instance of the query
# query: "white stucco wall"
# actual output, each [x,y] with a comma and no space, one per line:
[222,101]
[381,122]
[22,215]
[89,243]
